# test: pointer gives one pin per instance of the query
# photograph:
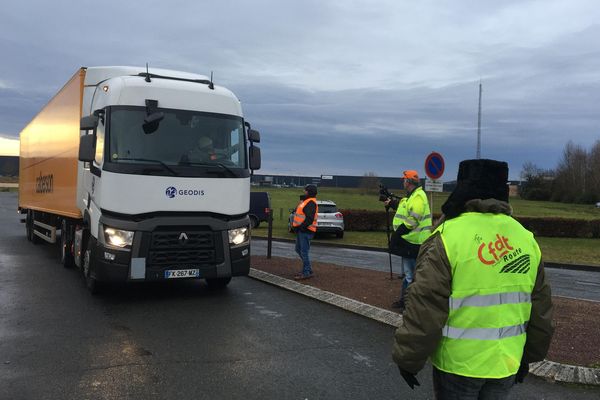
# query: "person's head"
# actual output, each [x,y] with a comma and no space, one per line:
[310,190]
[411,179]
[204,143]
[477,179]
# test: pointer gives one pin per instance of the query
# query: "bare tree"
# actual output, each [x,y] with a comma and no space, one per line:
[537,182]
[594,169]
[570,184]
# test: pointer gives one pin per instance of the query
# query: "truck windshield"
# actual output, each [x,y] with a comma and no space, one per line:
[185,139]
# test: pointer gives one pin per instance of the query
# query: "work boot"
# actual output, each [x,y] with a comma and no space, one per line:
[399,305]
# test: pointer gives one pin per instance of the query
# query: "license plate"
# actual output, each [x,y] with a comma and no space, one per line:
[182,273]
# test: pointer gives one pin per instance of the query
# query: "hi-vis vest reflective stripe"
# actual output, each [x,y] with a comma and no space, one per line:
[419,224]
[494,263]
[299,216]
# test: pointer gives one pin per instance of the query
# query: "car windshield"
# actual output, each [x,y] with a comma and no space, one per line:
[327,208]
[180,138]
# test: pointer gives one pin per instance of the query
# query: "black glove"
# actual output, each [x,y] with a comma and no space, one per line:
[411,379]
[522,372]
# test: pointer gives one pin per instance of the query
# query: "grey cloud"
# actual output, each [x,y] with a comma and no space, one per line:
[351,86]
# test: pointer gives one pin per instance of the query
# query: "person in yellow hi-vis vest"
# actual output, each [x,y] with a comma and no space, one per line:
[412,225]
[480,306]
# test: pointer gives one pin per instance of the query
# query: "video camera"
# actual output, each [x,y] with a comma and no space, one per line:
[385,194]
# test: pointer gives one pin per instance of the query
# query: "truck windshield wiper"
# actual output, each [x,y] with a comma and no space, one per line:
[171,170]
[213,164]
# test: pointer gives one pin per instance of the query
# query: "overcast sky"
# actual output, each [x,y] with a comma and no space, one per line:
[339,87]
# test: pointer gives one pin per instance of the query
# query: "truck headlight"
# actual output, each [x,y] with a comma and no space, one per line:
[239,236]
[118,237]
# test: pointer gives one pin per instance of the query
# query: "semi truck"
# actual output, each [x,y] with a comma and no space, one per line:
[140,174]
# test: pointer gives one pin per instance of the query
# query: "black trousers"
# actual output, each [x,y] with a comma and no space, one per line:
[448,386]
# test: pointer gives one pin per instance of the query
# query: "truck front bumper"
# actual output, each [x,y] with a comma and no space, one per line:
[172,243]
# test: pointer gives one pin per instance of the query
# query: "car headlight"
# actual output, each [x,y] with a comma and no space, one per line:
[117,237]
[239,236]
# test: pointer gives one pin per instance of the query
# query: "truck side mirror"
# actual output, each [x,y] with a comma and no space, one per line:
[87,148]
[88,123]
[253,136]
[254,153]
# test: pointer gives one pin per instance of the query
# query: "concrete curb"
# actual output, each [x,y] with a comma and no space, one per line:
[576,267]
[548,370]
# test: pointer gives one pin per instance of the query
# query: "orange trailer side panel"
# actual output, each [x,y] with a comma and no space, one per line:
[49,153]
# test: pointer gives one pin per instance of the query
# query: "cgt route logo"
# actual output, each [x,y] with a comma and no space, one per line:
[172,191]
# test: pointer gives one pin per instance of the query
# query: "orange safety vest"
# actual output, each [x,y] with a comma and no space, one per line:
[299,215]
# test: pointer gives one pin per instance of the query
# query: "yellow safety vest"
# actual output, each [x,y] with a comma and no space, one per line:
[299,215]
[494,263]
[415,214]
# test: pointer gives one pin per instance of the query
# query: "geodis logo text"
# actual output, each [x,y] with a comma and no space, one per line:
[495,250]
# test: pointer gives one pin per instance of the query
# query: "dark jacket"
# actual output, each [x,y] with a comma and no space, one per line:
[427,303]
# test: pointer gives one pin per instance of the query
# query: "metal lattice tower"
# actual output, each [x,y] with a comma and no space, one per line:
[479,125]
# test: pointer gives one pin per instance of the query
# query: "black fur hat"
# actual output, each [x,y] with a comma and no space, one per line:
[477,179]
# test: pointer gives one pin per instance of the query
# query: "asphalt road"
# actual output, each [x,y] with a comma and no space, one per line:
[568,283]
[182,341]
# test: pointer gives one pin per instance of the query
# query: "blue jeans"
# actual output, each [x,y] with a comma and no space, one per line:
[448,386]
[302,248]
[408,264]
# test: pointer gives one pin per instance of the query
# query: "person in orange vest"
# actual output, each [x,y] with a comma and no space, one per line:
[305,226]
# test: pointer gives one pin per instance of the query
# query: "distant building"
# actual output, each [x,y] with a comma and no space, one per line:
[9,166]
[342,181]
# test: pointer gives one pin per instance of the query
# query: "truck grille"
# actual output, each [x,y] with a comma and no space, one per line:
[177,248]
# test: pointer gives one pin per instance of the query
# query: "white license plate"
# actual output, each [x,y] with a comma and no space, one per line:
[182,273]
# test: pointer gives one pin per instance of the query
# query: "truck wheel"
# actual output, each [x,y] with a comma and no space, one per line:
[66,256]
[339,234]
[254,222]
[217,283]
[88,265]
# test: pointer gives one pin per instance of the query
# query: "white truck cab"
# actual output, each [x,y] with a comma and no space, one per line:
[163,180]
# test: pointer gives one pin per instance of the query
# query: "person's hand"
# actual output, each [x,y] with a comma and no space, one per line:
[387,202]
[522,372]
[411,379]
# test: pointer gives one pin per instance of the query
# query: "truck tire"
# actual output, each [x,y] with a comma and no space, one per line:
[87,266]
[217,283]
[339,234]
[254,222]
[65,245]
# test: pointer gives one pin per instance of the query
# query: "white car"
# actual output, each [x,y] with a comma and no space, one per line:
[329,219]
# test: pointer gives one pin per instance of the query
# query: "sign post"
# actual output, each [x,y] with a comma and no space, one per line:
[434,169]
